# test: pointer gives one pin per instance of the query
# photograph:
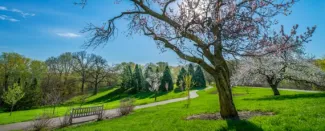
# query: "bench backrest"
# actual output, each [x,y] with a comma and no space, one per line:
[86,111]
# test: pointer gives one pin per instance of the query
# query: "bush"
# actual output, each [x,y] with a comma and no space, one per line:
[126,106]
[65,121]
[42,123]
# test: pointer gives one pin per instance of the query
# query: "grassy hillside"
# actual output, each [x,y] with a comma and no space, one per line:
[110,98]
[293,111]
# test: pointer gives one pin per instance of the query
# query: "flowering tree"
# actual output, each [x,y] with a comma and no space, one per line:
[205,32]
[287,64]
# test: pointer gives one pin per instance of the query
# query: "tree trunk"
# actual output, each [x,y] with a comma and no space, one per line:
[12,107]
[6,82]
[53,109]
[275,89]
[227,106]
[82,85]
[96,88]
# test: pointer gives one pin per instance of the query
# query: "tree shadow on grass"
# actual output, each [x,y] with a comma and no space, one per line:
[120,94]
[285,97]
[241,125]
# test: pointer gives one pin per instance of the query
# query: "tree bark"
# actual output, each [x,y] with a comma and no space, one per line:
[12,107]
[6,82]
[82,85]
[275,89]
[222,80]
[274,85]
[96,88]
[227,106]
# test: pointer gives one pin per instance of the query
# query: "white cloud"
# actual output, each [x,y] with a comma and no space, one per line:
[68,35]
[4,17]
[22,13]
[3,8]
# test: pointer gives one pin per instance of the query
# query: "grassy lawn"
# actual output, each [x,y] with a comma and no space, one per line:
[293,111]
[108,98]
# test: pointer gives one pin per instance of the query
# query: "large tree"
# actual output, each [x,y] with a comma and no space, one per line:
[127,78]
[200,31]
[198,78]
[81,65]
[167,83]
[97,71]
[138,79]
[287,64]
[180,79]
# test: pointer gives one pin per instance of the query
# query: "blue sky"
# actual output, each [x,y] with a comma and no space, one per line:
[39,29]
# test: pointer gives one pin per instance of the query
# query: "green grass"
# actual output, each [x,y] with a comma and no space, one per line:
[294,111]
[108,98]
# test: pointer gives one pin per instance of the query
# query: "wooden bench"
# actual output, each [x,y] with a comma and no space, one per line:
[86,111]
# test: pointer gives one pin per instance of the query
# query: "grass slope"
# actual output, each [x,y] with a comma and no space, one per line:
[294,111]
[109,98]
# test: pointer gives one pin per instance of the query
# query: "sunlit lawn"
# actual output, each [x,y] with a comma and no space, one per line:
[106,97]
[293,111]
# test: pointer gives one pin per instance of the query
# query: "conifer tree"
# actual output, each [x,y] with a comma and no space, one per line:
[180,78]
[167,80]
[138,80]
[127,78]
[198,78]
[191,72]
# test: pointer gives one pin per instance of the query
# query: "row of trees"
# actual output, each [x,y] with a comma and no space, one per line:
[55,80]
[60,78]
[198,78]
[135,79]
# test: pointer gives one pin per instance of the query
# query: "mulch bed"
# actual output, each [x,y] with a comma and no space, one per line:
[243,115]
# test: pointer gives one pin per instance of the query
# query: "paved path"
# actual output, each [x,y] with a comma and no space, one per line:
[284,89]
[55,122]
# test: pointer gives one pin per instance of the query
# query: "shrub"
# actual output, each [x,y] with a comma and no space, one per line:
[65,121]
[126,106]
[42,123]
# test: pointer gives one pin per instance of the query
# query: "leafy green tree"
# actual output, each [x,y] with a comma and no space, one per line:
[127,78]
[320,63]
[188,84]
[138,79]
[167,80]
[180,78]
[191,72]
[13,95]
[199,79]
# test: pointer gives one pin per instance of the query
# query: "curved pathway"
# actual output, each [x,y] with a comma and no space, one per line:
[55,122]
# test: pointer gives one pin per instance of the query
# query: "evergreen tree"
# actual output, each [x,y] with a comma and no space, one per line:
[191,72]
[180,78]
[147,74]
[198,78]
[167,80]
[138,79]
[127,78]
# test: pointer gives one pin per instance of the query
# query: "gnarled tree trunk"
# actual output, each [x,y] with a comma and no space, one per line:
[275,89]
[227,106]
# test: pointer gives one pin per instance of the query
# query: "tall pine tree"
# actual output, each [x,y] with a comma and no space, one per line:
[166,80]
[191,72]
[138,79]
[198,78]
[127,78]
[180,78]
